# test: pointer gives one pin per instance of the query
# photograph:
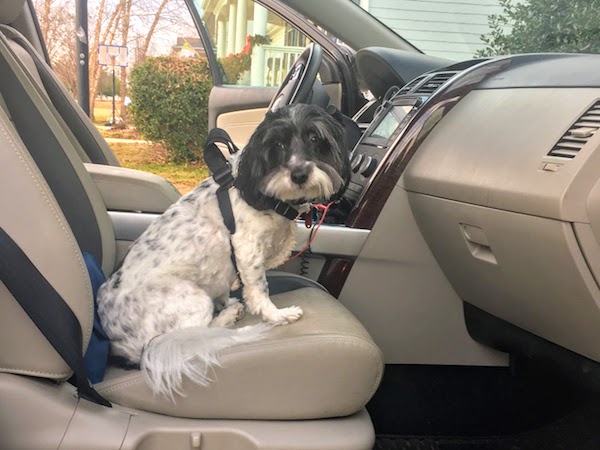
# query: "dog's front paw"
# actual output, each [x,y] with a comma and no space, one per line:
[229,315]
[238,310]
[285,315]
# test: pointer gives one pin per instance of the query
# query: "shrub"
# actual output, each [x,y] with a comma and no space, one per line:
[533,26]
[169,104]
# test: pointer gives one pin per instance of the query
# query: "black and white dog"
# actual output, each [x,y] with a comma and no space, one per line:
[158,309]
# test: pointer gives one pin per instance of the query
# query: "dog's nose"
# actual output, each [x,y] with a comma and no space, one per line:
[299,175]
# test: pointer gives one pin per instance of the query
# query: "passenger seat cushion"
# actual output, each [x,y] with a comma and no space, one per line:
[324,365]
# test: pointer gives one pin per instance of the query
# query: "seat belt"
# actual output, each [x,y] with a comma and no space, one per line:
[48,311]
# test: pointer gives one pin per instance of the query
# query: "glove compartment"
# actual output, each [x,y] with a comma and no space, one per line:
[524,269]
[505,218]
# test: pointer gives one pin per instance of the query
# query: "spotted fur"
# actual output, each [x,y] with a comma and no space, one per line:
[158,308]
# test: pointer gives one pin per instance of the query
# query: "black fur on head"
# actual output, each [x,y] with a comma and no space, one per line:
[295,155]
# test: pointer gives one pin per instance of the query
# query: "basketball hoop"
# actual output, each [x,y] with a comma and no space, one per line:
[114,56]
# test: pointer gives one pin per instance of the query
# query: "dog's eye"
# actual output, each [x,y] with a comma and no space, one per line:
[280,146]
[314,139]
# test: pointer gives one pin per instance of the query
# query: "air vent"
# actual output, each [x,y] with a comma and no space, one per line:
[577,136]
[432,85]
[411,85]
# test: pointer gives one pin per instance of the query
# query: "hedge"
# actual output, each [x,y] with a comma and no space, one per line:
[169,104]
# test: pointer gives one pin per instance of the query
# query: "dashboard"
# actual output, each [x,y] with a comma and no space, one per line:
[499,159]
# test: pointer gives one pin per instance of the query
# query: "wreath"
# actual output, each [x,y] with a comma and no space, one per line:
[235,64]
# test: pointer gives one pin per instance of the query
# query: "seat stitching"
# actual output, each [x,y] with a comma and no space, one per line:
[12,142]
[13,370]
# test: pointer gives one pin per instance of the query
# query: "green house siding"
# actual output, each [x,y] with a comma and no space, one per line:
[444,28]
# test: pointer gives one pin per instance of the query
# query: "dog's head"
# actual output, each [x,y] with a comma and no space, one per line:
[295,155]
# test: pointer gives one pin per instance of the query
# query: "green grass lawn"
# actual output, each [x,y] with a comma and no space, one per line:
[150,158]
[103,110]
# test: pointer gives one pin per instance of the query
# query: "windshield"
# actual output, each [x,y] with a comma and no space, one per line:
[464,29]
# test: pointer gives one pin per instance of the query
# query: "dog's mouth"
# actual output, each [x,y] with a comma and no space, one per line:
[317,188]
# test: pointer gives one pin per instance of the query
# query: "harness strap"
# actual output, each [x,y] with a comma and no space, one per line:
[221,170]
[48,311]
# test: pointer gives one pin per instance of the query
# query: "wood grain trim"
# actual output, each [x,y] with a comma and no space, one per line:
[369,205]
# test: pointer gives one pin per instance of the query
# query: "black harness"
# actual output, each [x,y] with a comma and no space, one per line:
[221,172]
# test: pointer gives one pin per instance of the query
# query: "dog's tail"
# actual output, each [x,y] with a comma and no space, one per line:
[191,352]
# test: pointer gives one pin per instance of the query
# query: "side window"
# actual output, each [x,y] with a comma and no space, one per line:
[254,47]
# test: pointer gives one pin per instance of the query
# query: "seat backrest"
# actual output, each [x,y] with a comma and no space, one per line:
[51,208]
[84,136]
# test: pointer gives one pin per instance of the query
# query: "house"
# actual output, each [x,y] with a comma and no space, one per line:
[188,46]
[255,47]
[443,28]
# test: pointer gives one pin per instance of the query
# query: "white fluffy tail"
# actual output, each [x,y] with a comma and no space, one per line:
[191,352]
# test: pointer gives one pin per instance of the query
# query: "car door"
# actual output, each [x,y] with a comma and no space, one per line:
[250,46]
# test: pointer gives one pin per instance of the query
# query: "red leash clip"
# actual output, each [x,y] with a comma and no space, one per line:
[308,217]
[313,234]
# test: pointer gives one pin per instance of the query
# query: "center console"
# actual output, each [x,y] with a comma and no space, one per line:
[386,128]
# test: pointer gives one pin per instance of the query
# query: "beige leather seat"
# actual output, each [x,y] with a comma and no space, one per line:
[324,366]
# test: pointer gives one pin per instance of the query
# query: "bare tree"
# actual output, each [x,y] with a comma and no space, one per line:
[152,25]
[45,19]
[143,50]
[124,36]
[57,23]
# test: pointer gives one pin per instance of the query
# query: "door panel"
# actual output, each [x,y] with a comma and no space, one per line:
[226,99]
[241,124]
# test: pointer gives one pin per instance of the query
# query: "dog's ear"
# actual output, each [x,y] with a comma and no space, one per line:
[351,130]
[337,138]
[253,167]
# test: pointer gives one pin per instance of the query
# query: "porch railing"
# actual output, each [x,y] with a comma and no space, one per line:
[278,61]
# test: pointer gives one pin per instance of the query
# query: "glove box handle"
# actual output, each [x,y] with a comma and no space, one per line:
[477,243]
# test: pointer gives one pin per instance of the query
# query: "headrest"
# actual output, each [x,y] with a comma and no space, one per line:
[10,10]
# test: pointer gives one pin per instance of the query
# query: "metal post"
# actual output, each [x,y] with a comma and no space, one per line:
[83,77]
[114,93]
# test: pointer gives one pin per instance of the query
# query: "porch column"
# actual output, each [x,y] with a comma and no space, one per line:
[257,70]
[240,25]
[221,38]
[231,28]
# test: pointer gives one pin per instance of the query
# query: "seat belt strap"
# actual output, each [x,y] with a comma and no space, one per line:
[47,310]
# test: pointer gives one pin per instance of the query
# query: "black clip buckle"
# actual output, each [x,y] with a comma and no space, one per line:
[286,210]
[224,178]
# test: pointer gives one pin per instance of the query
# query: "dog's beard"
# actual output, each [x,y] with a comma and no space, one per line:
[319,187]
